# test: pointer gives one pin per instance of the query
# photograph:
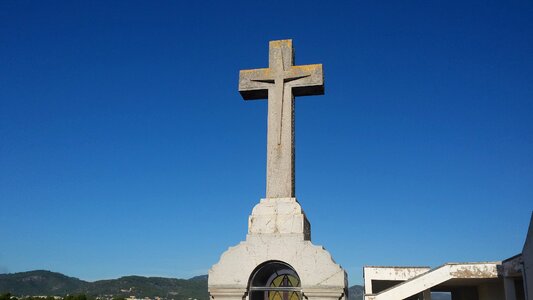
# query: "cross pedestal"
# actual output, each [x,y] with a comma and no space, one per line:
[278,232]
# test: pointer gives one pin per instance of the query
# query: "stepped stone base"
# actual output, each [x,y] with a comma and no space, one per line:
[278,231]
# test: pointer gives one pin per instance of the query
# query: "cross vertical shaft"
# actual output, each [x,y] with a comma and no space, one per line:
[280,82]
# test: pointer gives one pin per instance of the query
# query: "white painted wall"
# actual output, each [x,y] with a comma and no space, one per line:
[527,257]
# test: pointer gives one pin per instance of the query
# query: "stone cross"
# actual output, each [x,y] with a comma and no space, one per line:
[280,83]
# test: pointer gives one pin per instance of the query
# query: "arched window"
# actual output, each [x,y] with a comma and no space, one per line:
[275,280]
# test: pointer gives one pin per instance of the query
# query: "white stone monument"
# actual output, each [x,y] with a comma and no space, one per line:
[277,261]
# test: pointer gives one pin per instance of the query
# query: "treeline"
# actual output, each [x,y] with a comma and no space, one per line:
[8,296]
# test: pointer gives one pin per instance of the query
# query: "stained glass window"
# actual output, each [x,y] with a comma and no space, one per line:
[275,281]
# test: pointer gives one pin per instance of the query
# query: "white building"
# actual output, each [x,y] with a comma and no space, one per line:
[510,279]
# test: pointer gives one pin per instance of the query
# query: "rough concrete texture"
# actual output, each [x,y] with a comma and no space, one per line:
[278,232]
[279,216]
[430,279]
[371,273]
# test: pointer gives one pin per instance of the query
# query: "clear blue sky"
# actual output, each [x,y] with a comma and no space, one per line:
[125,147]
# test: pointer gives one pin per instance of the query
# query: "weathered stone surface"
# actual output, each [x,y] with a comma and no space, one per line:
[279,231]
[280,82]
[413,281]
[279,216]
[314,264]
[321,277]
[374,275]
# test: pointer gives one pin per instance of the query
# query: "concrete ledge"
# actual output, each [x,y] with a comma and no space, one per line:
[428,279]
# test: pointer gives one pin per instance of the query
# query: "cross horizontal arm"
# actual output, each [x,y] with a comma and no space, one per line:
[304,80]
[308,80]
[253,84]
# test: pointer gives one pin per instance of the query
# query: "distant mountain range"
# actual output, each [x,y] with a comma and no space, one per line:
[46,283]
[356,292]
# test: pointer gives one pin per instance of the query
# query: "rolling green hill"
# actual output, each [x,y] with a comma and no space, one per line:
[46,283]
[40,283]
